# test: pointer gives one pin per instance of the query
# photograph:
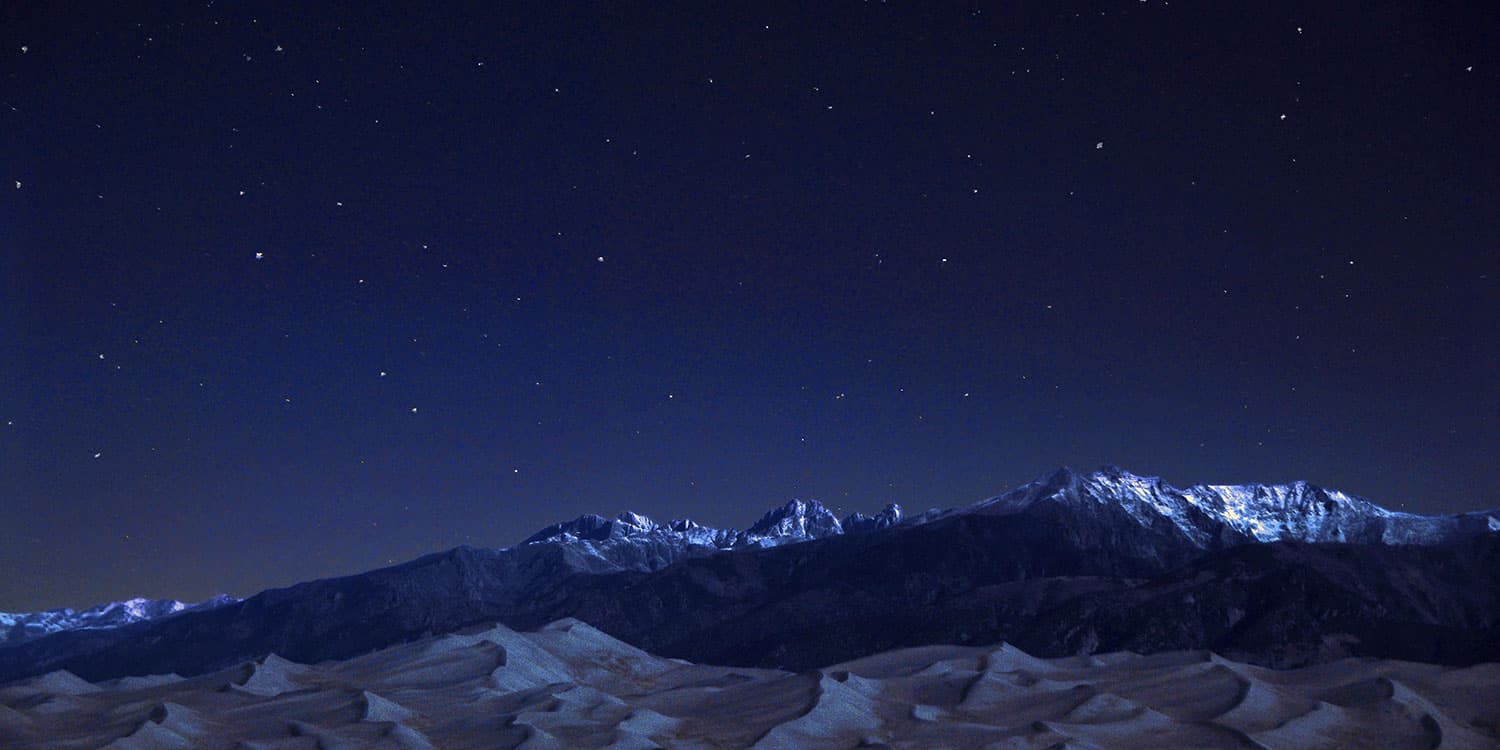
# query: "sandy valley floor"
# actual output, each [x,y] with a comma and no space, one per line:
[569,685]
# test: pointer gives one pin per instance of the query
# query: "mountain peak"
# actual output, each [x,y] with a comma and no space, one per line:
[23,626]
[1062,476]
[632,541]
[635,521]
[888,516]
[1115,472]
[1211,515]
[587,526]
[798,518]
[596,528]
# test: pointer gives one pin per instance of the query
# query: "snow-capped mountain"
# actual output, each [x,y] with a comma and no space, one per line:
[889,516]
[631,541]
[590,543]
[1211,516]
[18,627]
[1203,516]
[798,520]
[1069,564]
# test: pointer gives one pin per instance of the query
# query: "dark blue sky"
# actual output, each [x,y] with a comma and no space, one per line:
[288,293]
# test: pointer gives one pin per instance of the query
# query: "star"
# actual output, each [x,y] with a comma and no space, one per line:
[729,274]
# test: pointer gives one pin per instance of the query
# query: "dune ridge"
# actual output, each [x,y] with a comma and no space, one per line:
[570,685]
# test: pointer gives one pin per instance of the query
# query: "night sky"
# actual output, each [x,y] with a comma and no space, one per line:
[291,293]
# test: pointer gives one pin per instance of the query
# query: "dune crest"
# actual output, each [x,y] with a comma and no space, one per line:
[570,685]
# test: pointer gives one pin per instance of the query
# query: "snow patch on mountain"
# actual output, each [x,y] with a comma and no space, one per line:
[1206,516]
[632,541]
[799,520]
[889,516]
[16,627]
[1209,515]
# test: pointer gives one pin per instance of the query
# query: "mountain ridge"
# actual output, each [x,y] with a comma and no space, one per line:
[1210,516]
[794,591]
[16,627]
[1295,511]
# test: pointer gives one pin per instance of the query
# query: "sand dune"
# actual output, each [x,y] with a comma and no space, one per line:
[569,685]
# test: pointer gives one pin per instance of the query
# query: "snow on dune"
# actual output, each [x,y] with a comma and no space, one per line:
[569,685]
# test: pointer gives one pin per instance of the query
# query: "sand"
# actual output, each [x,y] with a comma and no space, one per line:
[569,685]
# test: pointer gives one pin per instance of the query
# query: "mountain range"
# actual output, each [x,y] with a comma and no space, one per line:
[1072,563]
[18,627]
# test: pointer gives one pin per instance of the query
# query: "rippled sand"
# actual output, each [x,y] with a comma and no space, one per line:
[569,685]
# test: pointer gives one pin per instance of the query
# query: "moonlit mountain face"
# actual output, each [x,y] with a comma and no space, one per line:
[631,541]
[1208,516]
[18,627]
[1201,518]
[1279,575]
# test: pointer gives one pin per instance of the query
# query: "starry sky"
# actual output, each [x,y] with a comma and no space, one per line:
[294,292]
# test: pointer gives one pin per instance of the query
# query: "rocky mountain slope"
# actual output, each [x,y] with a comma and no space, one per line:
[1072,563]
[18,627]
